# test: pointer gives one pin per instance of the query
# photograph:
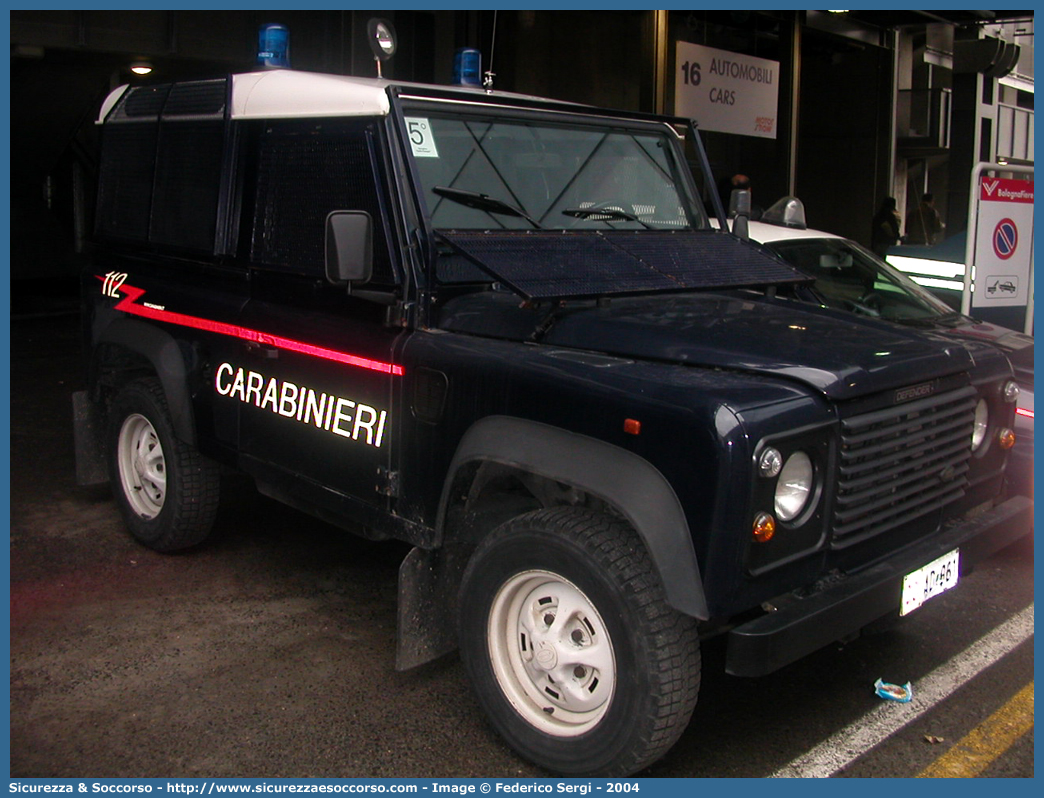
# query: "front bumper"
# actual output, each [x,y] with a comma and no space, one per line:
[804,625]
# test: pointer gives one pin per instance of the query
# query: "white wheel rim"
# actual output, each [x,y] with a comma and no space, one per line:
[143,471]
[551,653]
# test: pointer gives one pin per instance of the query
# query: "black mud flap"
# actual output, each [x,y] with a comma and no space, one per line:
[89,438]
[427,617]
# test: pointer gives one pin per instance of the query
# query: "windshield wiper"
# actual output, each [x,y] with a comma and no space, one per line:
[484,202]
[607,214]
[951,320]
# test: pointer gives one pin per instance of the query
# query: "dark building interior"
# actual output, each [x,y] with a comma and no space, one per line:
[838,147]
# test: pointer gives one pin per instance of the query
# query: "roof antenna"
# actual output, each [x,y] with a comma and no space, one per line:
[487,78]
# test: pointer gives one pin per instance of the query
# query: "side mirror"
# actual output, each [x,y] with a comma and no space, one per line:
[381,34]
[739,202]
[835,260]
[739,212]
[741,227]
[349,247]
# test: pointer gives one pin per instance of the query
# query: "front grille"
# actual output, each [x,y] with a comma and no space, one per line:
[902,462]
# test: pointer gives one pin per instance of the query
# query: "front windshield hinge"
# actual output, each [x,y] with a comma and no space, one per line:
[398,315]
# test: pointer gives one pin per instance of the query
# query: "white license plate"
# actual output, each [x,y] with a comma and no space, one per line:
[931,580]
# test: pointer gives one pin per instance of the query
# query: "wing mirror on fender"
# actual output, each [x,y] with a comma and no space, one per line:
[349,247]
[739,210]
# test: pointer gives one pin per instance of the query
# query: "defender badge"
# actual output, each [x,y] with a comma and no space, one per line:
[916,392]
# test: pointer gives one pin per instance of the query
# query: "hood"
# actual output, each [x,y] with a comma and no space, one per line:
[1016,346]
[835,353]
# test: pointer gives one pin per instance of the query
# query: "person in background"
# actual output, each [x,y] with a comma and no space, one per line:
[885,233]
[924,226]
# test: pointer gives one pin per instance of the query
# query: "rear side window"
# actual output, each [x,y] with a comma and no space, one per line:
[187,186]
[160,173]
[306,170]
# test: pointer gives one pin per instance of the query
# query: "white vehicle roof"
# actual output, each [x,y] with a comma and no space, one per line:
[787,223]
[288,93]
[765,233]
[285,93]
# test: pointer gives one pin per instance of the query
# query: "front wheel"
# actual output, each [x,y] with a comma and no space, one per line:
[573,650]
[166,490]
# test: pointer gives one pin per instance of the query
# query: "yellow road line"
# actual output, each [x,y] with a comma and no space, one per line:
[982,745]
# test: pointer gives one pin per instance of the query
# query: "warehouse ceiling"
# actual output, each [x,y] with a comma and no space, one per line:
[897,18]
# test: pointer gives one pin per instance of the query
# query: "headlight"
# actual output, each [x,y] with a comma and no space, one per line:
[982,423]
[794,486]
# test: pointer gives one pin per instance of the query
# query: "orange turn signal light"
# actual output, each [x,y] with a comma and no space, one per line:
[1006,438]
[632,426]
[764,527]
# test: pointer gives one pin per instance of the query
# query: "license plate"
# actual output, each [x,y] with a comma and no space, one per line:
[931,580]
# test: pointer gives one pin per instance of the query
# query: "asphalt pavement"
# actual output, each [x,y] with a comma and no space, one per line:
[268,652]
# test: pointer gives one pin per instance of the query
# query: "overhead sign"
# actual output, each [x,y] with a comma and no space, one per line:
[1003,254]
[726,92]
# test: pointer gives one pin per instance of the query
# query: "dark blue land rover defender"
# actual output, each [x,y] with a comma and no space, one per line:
[502,330]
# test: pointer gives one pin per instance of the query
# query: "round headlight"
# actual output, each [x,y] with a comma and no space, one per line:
[982,423]
[794,486]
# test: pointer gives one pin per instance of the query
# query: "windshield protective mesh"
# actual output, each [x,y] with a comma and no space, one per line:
[544,265]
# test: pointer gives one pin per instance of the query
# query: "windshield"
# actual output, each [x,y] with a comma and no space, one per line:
[851,278]
[492,174]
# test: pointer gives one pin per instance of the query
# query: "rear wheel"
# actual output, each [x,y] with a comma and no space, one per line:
[575,655]
[166,490]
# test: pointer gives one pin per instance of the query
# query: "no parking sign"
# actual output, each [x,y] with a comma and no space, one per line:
[1003,249]
[1005,239]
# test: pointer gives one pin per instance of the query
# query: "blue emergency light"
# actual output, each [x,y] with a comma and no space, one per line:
[467,67]
[273,46]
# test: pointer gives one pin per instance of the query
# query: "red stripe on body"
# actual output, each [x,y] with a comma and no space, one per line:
[129,304]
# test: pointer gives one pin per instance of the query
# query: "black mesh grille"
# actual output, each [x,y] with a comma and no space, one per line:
[192,99]
[703,260]
[143,103]
[901,463]
[303,174]
[204,98]
[160,181]
[558,265]
[125,181]
[454,268]
[188,175]
[542,265]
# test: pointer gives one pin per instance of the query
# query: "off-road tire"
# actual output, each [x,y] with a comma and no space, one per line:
[594,571]
[166,490]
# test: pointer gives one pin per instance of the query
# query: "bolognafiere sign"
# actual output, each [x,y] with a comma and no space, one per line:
[1003,242]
